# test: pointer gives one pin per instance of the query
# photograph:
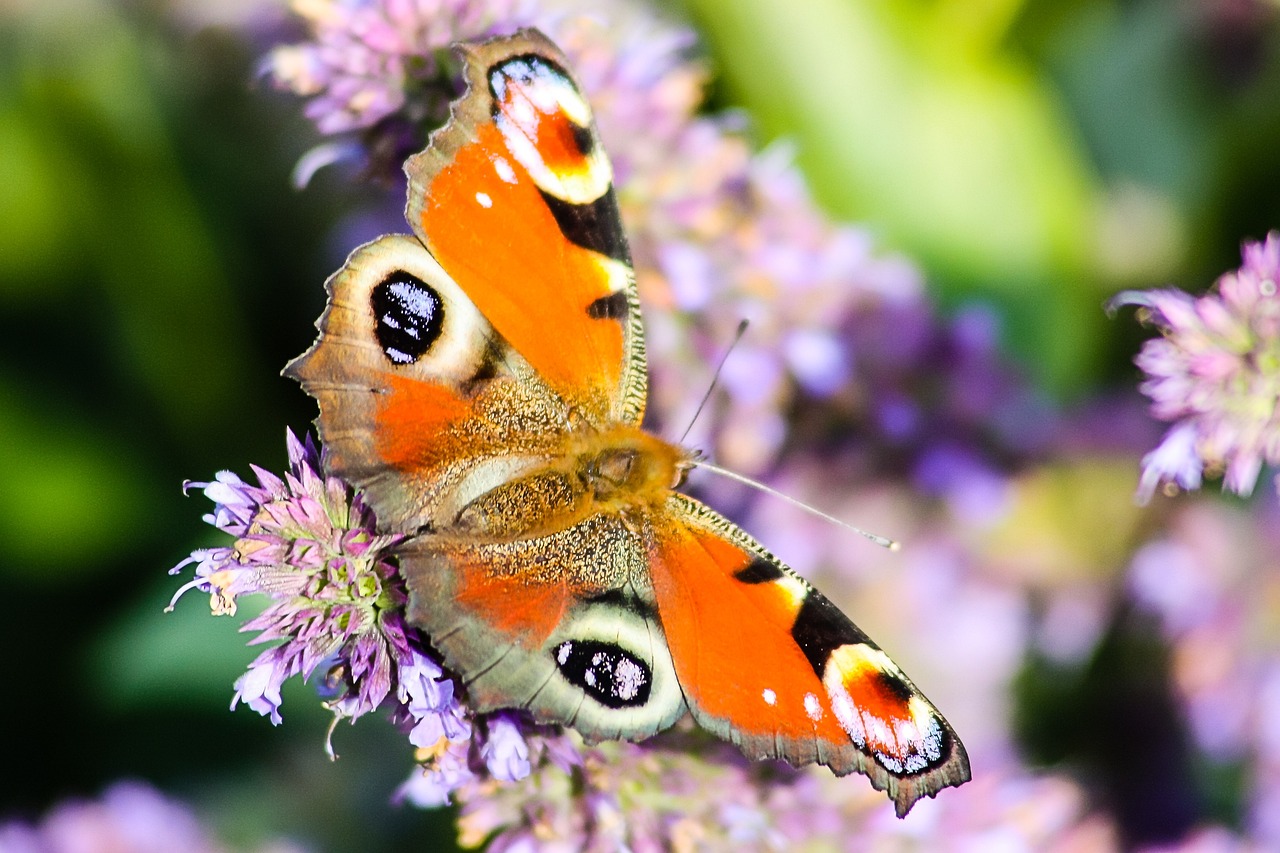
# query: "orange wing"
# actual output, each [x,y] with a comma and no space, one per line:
[767,662]
[514,197]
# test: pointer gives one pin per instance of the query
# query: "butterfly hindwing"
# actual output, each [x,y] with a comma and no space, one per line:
[514,196]
[562,626]
[766,661]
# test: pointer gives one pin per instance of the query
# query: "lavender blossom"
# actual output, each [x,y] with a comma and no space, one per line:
[1215,374]
[376,67]
[312,547]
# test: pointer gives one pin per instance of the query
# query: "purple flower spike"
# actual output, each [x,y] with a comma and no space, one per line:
[337,604]
[304,542]
[1215,373]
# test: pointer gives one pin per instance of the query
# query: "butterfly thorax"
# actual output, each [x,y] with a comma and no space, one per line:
[627,467]
[620,470]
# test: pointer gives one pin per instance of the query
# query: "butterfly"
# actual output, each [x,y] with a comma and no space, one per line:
[483,382]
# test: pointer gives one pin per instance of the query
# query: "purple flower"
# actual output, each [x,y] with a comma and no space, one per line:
[1175,461]
[308,544]
[505,751]
[374,66]
[629,797]
[427,698]
[1215,374]
[1212,579]
[312,547]
[442,770]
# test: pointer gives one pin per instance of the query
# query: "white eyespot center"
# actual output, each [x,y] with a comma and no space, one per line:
[628,678]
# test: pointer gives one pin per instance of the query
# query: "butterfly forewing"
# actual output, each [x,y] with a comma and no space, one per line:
[769,663]
[515,198]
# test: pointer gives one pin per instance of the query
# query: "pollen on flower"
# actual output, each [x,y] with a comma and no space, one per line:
[222,602]
[428,754]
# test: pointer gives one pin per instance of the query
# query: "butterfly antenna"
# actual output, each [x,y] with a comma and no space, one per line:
[882,541]
[715,377]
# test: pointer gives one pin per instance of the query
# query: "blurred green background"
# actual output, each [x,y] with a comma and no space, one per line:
[157,270]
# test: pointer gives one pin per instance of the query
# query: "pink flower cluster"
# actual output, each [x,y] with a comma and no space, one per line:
[336,601]
[1215,374]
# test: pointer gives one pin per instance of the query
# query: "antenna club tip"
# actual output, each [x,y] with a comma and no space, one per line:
[895,546]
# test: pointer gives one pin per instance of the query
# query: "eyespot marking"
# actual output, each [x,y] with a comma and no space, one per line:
[607,673]
[409,316]
[888,720]
[546,124]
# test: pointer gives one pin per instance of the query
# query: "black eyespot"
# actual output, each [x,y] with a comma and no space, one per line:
[613,677]
[410,316]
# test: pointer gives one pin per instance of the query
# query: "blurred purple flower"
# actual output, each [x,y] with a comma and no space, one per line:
[366,58]
[1214,373]
[628,797]
[1212,579]
[129,817]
